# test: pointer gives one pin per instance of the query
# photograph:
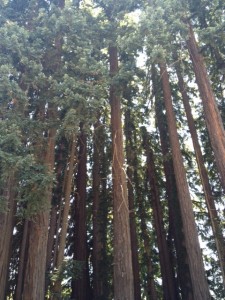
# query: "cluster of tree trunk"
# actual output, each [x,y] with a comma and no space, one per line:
[118,217]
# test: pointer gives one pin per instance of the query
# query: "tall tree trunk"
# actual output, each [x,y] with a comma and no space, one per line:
[6,232]
[212,115]
[55,216]
[34,281]
[175,219]
[97,238]
[199,282]
[100,214]
[168,280]
[214,218]
[64,223]
[80,288]
[21,268]
[123,274]
[151,286]
[131,200]
[141,213]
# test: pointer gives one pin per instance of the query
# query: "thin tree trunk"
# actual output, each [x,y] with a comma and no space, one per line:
[214,218]
[80,288]
[54,218]
[199,282]
[131,200]
[123,274]
[97,239]
[22,264]
[99,215]
[6,232]
[212,115]
[151,286]
[168,280]
[175,219]
[62,240]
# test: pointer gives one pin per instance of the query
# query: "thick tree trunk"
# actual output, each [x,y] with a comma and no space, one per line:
[131,200]
[123,274]
[211,112]
[199,282]
[214,218]
[168,280]
[6,232]
[34,281]
[175,219]
[80,288]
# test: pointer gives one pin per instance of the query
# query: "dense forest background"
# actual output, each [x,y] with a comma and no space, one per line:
[112,149]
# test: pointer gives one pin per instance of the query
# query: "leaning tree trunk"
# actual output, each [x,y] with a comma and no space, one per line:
[214,218]
[6,232]
[211,112]
[123,274]
[175,219]
[199,282]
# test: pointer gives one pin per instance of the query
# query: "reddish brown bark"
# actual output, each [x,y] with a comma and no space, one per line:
[175,219]
[34,280]
[214,218]
[199,283]
[123,274]
[131,200]
[212,116]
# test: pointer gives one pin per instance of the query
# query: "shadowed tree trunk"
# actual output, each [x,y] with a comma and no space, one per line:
[34,280]
[123,273]
[57,288]
[199,283]
[80,286]
[175,219]
[100,214]
[129,126]
[97,237]
[211,112]
[21,268]
[141,213]
[214,218]
[6,232]
[168,280]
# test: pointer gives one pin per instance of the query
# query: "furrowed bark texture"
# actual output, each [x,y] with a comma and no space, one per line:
[212,116]
[199,282]
[214,218]
[131,200]
[123,273]
[176,223]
